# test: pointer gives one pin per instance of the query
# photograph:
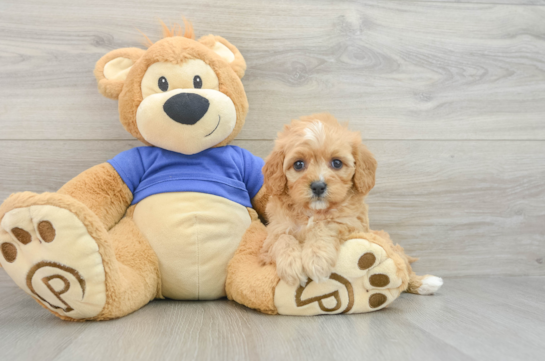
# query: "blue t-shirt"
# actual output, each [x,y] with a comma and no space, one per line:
[230,172]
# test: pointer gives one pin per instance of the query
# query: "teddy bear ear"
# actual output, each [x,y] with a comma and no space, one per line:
[227,51]
[112,69]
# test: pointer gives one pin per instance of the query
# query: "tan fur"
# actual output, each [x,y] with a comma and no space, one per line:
[252,277]
[174,50]
[130,265]
[99,197]
[102,190]
[259,203]
[395,252]
[175,30]
[112,88]
[253,284]
[248,282]
[302,240]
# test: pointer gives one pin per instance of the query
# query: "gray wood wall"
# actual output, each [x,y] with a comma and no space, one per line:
[449,95]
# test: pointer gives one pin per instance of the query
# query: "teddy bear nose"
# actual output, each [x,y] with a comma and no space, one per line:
[186,108]
[318,188]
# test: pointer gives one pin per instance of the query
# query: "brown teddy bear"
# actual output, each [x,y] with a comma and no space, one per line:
[156,221]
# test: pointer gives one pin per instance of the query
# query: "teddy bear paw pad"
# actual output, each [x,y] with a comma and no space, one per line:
[49,253]
[364,279]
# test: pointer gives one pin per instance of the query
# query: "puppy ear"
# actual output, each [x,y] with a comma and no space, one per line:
[366,166]
[227,51]
[275,179]
[112,69]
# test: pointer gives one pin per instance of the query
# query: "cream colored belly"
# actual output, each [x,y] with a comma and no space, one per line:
[194,236]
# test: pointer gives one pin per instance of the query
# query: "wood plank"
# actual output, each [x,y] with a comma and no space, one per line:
[466,320]
[26,331]
[503,2]
[471,315]
[464,207]
[396,70]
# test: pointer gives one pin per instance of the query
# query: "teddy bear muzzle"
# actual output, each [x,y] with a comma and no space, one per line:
[186,121]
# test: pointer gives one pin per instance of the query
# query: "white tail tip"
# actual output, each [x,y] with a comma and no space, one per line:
[430,285]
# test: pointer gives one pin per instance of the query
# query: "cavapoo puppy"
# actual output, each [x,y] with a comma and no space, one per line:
[318,176]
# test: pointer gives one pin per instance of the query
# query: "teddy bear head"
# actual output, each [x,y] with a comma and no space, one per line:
[181,94]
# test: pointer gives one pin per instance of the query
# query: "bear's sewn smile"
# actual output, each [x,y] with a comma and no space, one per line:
[217,125]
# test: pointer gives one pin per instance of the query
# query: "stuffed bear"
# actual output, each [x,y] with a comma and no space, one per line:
[157,221]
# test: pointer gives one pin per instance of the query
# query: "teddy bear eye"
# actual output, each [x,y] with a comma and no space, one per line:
[197,82]
[299,165]
[163,84]
[336,164]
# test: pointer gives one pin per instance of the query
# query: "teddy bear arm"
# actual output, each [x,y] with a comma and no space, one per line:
[103,191]
[259,203]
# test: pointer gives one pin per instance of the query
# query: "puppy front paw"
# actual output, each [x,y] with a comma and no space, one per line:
[318,263]
[290,268]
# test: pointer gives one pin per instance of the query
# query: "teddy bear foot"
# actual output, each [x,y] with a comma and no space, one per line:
[365,279]
[370,274]
[49,253]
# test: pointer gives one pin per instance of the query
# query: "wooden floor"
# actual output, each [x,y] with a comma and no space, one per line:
[448,94]
[470,319]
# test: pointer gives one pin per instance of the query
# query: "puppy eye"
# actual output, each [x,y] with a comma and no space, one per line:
[163,84]
[299,165]
[336,164]
[197,82]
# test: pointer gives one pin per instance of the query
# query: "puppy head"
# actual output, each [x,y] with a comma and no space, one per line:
[319,163]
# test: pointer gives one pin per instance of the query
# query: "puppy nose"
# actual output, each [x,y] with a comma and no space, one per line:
[318,188]
[186,108]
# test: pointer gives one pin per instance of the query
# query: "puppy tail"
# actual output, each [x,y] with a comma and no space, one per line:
[424,285]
